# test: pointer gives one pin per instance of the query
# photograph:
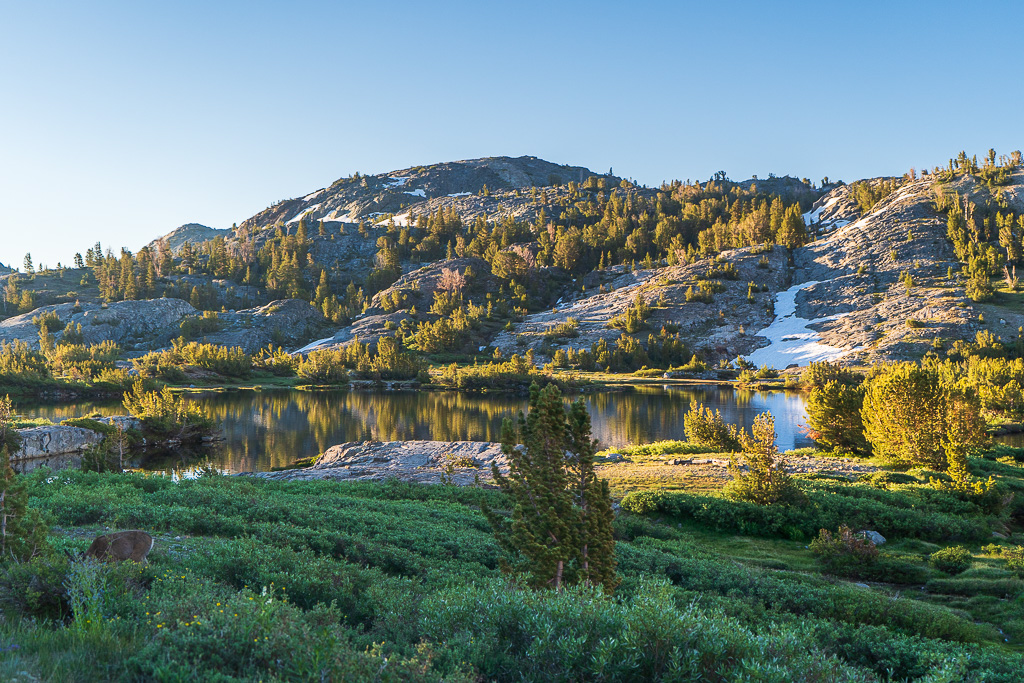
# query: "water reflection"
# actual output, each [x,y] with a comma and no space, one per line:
[263,429]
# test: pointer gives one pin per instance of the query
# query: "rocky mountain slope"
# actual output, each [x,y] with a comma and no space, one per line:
[370,197]
[717,328]
[141,326]
[872,284]
[847,284]
[192,233]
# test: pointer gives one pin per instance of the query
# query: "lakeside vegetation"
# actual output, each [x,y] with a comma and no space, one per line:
[744,570]
[338,578]
[351,580]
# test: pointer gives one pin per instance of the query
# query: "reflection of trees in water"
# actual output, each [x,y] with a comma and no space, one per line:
[269,428]
[264,429]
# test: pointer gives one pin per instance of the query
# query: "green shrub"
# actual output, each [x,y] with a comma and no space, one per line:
[819,373]
[632,320]
[35,587]
[913,416]
[164,413]
[829,505]
[952,560]
[843,548]
[195,326]
[765,481]
[834,416]
[707,428]
[568,329]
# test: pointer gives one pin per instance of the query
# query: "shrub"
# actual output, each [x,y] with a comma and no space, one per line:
[196,326]
[170,364]
[828,506]
[707,428]
[36,587]
[914,416]
[164,413]
[10,440]
[632,320]
[766,481]
[820,373]
[726,271]
[952,560]
[1015,559]
[843,549]
[570,328]
[833,415]
[22,531]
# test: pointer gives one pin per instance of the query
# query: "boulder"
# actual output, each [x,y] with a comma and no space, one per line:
[460,462]
[41,442]
[120,546]
[125,422]
[873,536]
[135,325]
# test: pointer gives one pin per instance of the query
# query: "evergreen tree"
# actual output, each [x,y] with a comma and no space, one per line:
[323,289]
[560,531]
[833,415]
[914,416]
[765,482]
[22,532]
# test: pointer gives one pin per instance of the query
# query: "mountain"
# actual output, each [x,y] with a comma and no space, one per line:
[508,255]
[370,197]
[193,233]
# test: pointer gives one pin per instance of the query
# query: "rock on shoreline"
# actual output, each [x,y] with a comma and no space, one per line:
[50,440]
[416,461]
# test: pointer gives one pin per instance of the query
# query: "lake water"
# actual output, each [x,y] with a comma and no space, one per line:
[269,428]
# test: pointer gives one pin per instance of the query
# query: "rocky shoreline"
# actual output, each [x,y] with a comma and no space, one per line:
[431,462]
[467,462]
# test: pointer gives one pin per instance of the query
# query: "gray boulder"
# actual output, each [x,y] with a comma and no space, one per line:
[40,442]
[873,536]
[463,462]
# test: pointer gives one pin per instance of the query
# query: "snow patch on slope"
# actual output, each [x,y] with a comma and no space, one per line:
[313,346]
[401,220]
[790,339]
[815,215]
[417,193]
[302,213]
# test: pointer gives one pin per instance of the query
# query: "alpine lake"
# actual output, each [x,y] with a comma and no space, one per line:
[261,429]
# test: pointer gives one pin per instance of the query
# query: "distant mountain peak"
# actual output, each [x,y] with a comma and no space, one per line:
[370,197]
[193,233]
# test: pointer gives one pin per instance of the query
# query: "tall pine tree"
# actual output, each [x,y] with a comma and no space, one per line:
[560,530]
[22,532]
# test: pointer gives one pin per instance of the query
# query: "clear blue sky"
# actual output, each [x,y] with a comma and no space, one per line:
[122,120]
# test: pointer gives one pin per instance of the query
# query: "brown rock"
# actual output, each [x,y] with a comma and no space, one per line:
[120,546]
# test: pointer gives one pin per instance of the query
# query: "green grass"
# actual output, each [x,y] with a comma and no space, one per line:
[658,448]
[263,580]
[25,422]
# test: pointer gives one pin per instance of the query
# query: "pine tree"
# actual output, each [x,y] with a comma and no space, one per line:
[323,289]
[596,558]
[22,532]
[560,531]
[833,415]
[765,482]
[914,416]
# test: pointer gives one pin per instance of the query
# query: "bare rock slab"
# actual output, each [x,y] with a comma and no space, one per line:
[463,462]
[41,442]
